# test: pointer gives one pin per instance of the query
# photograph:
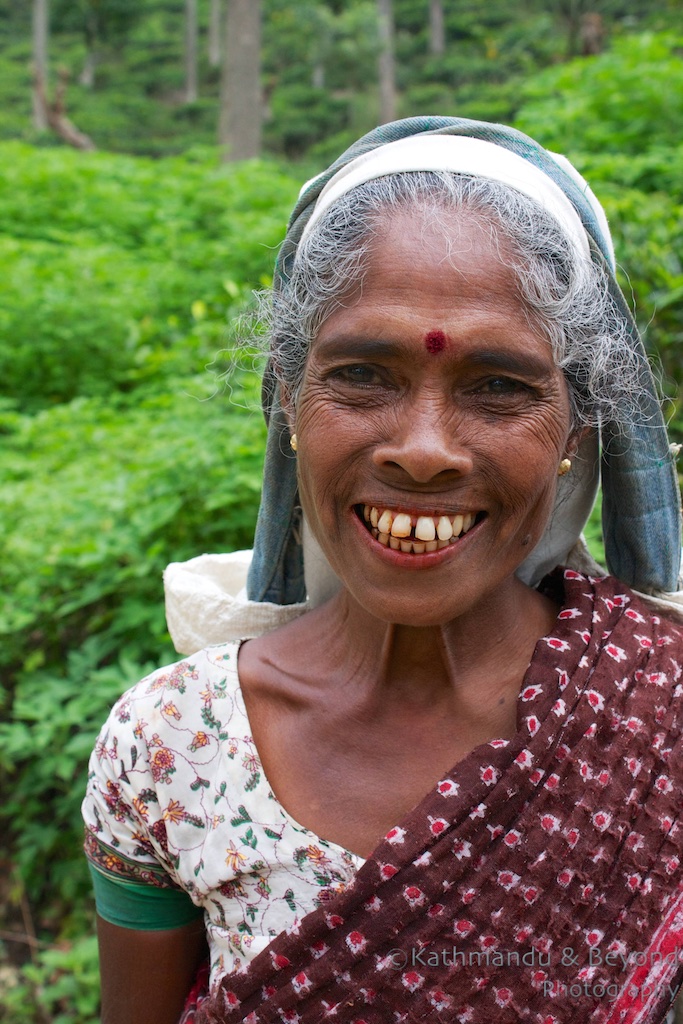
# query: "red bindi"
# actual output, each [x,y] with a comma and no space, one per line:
[435,341]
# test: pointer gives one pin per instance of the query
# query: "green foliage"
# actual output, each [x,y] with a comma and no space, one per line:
[95,502]
[96,499]
[301,115]
[100,494]
[629,96]
[60,987]
[137,104]
[147,242]
[119,277]
[619,117]
[593,534]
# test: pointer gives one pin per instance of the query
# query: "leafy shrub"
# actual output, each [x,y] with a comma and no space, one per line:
[101,495]
[302,114]
[103,259]
[627,100]
[96,498]
[60,987]
[619,117]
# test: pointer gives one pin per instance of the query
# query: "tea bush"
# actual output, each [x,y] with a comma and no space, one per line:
[619,117]
[120,453]
[108,264]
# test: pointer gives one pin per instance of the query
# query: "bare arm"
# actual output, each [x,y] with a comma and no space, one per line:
[146,976]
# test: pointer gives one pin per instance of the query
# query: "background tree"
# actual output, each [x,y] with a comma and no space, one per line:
[437,28]
[386,64]
[240,97]
[191,52]
[40,71]
[592,32]
[91,31]
[104,26]
[215,33]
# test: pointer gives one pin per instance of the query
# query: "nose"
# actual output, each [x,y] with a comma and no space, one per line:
[427,441]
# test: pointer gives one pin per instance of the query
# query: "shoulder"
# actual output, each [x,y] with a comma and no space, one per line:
[177,696]
[171,721]
[612,596]
[659,618]
[176,716]
[161,747]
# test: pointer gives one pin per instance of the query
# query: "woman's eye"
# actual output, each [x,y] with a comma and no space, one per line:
[503,386]
[358,374]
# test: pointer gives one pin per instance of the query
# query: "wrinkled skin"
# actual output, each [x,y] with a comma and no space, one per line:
[382,421]
[360,706]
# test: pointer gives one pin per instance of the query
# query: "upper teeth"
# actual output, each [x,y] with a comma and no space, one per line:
[385,523]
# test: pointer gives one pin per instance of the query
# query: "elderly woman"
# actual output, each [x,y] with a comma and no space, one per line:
[447,786]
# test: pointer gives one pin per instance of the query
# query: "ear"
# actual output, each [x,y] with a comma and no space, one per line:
[574,441]
[288,407]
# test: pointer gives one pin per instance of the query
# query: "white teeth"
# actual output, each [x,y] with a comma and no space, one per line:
[444,528]
[430,533]
[401,526]
[425,529]
[384,522]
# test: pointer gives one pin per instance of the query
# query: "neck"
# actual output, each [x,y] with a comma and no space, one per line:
[472,665]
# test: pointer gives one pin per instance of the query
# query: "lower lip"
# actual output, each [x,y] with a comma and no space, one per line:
[410,560]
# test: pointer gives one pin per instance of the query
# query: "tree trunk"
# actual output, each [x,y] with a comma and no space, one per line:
[87,75]
[437,28]
[215,33]
[318,76]
[40,37]
[55,113]
[387,74]
[91,32]
[571,11]
[239,129]
[592,34]
[191,34]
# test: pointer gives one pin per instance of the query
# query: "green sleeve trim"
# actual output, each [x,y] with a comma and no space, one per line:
[142,907]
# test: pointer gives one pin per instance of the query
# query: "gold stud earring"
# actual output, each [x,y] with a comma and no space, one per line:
[292,442]
[564,467]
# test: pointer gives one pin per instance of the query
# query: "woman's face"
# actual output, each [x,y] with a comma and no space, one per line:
[431,404]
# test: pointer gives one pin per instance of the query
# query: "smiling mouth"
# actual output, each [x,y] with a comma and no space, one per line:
[415,534]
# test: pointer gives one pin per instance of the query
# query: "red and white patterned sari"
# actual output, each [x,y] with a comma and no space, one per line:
[540,880]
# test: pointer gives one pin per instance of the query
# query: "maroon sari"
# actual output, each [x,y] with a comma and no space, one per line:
[539,880]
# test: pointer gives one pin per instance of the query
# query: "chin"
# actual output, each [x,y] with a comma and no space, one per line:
[420,607]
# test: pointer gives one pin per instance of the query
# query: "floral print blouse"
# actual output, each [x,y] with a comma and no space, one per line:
[177,799]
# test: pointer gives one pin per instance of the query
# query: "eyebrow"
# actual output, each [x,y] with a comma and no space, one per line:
[352,347]
[525,364]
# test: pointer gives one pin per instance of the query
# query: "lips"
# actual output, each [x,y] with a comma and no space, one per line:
[414,533]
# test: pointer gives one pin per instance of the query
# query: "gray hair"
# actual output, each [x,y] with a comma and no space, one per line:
[566,297]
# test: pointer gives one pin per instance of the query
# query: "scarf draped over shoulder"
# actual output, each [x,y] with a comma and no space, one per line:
[539,880]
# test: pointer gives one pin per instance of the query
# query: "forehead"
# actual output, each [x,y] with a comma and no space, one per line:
[458,252]
[433,276]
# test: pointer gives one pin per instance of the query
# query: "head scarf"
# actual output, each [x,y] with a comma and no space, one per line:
[641,502]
